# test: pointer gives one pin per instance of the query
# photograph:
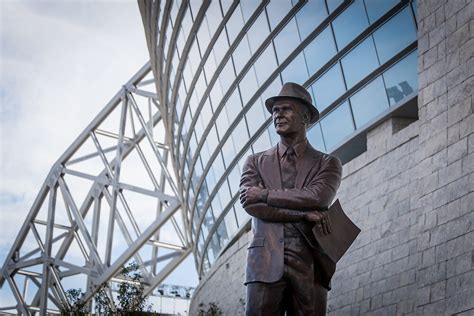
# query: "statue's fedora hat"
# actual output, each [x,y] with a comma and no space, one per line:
[291,90]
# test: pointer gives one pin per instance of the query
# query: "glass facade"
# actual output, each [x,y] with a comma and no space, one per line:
[222,59]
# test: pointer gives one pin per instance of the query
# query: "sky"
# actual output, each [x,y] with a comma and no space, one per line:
[60,63]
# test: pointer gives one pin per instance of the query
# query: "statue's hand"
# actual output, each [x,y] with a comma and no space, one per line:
[252,195]
[321,219]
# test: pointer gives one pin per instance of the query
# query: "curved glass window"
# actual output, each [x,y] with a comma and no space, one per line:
[401,79]
[320,50]
[377,8]
[337,125]
[395,35]
[310,16]
[350,23]
[359,62]
[369,102]
[328,87]
[221,143]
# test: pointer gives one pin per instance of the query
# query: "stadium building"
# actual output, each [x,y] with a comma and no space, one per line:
[391,81]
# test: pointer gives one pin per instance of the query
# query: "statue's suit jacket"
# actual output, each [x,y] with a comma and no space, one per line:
[318,178]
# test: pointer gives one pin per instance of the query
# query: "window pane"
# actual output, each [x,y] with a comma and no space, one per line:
[221,46]
[230,222]
[213,16]
[242,216]
[258,32]
[233,106]
[328,87]
[248,86]
[235,24]
[401,79]
[333,4]
[316,138]
[262,143]
[227,76]
[296,71]
[395,35]
[320,50]
[203,36]
[222,233]
[377,8]
[369,102]
[337,125]
[248,7]
[241,55]
[265,64]
[277,10]
[359,62]
[309,17]
[286,41]
[350,23]
[255,116]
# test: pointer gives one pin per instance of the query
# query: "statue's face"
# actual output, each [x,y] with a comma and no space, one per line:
[288,117]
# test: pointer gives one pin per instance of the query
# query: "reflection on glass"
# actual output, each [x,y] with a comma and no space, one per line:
[225,5]
[316,138]
[231,222]
[258,32]
[203,36]
[337,125]
[241,55]
[395,35]
[227,76]
[401,79]
[248,7]
[242,215]
[265,64]
[255,117]
[359,62]
[286,41]
[377,8]
[310,16]
[248,86]
[233,179]
[320,50]
[240,135]
[233,106]
[262,143]
[228,151]
[328,87]
[187,23]
[235,24]
[221,46]
[296,71]
[222,233]
[216,94]
[277,10]
[214,245]
[213,16]
[368,102]
[350,23]
[333,4]
[216,206]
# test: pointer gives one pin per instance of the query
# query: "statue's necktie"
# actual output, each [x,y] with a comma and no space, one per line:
[288,169]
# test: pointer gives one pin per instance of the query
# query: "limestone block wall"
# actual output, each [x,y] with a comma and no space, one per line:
[411,193]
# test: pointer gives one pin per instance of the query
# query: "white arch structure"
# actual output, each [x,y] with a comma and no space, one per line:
[109,199]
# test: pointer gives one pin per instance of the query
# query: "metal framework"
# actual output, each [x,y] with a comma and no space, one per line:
[108,200]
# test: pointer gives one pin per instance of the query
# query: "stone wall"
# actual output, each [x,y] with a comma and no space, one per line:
[411,193]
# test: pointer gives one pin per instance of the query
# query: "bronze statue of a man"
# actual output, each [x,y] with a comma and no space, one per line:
[286,190]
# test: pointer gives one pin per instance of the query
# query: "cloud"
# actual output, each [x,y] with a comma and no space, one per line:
[60,64]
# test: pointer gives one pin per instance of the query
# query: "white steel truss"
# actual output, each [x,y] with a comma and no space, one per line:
[108,200]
